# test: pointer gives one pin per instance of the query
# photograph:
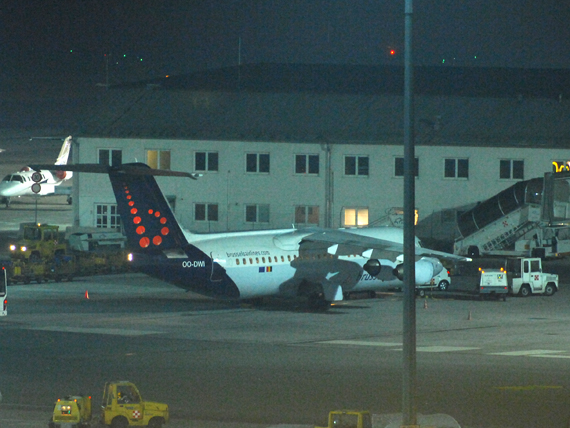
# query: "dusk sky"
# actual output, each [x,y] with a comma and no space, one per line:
[146,39]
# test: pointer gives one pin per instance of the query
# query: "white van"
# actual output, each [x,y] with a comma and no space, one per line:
[441,282]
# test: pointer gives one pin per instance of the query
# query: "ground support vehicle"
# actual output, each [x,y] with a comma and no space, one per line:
[440,282]
[71,412]
[525,277]
[493,283]
[528,219]
[25,272]
[37,242]
[349,419]
[123,406]
[40,254]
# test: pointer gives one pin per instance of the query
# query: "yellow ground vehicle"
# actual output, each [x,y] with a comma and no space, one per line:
[123,406]
[37,242]
[71,411]
[349,419]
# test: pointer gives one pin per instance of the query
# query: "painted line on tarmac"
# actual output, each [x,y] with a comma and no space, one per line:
[398,345]
[530,353]
[445,348]
[359,343]
[95,330]
[528,387]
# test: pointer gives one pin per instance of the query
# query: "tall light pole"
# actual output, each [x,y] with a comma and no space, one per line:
[409,410]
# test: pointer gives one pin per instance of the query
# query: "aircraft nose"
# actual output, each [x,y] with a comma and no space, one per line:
[8,190]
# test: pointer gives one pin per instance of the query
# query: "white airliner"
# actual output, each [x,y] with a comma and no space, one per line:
[322,265]
[25,183]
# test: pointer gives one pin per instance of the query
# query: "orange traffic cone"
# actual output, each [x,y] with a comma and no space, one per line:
[86,294]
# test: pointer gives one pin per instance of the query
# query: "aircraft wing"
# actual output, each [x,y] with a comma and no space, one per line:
[347,242]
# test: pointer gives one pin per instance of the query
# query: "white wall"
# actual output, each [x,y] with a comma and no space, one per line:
[232,188]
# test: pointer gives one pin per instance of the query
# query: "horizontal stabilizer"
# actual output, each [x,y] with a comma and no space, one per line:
[129,169]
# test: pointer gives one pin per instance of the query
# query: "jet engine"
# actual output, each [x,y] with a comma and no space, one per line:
[372,266]
[426,268]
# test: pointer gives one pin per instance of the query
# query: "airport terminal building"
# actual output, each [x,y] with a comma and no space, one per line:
[283,145]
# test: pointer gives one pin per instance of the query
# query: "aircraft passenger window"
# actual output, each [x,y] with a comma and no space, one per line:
[237,261]
[263,260]
[282,259]
[250,261]
[257,260]
[244,261]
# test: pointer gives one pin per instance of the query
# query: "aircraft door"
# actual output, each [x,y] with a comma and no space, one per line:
[216,271]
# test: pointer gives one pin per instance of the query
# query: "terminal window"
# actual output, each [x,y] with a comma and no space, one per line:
[399,167]
[456,168]
[511,169]
[158,159]
[257,213]
[257,162]
[307,215]
[356,165]
[307,164]
[206,161]
[206,212]
[355,216]
[111,157]
[107,216]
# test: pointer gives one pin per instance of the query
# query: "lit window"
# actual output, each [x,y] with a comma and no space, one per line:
[355,216]
[158,159]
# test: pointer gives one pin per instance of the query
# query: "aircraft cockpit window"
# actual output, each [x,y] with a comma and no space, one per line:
[7,178]
[17,178]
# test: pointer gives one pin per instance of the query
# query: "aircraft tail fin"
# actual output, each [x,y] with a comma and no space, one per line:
[62,160]
[64,152]
[147,218]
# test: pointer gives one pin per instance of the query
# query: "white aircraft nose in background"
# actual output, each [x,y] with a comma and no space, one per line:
[20,183]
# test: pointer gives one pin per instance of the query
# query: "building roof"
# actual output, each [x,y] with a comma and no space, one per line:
[341,104]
